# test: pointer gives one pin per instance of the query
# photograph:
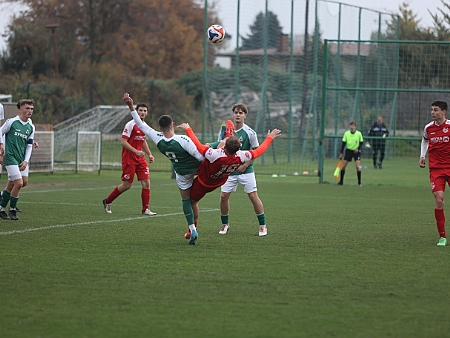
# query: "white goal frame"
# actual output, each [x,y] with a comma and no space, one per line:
[89,150]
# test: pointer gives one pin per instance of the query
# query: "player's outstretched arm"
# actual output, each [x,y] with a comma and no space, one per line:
[271,135]
[129,101]
[190,133]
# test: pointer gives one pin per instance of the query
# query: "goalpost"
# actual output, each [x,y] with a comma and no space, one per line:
[88,151]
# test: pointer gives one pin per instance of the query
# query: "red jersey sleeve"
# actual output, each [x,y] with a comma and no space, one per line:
[262,148]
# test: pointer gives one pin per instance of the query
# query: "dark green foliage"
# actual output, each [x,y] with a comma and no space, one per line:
[256,38]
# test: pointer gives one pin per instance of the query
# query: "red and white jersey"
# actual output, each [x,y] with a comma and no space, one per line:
[214,171]
[136,138]
[438,138]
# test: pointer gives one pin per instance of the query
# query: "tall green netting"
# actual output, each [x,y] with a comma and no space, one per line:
[398,80]
[272,61]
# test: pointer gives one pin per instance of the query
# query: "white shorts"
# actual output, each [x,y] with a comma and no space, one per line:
[25,172]
[248,181]
[14,172]
[184,181]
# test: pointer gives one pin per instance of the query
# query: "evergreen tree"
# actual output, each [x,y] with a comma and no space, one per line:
[255,40]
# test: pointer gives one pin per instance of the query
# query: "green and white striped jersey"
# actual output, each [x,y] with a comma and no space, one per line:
[18,135]
[179,149]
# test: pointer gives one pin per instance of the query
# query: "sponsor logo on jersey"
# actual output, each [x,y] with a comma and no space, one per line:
[439,139]
[445,130]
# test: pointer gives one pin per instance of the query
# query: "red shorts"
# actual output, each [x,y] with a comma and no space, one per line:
[198,190]
[438,178]
[129,170]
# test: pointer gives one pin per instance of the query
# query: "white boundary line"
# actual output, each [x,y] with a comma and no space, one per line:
[59,226]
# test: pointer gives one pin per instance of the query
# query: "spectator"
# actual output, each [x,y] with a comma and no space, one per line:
[380,131]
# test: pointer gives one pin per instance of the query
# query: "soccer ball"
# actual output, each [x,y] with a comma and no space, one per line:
[215,33]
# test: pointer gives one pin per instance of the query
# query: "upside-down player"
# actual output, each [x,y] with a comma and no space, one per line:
[221,162]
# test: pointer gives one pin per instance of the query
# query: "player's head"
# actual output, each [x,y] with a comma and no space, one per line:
[143,105]
[232,145]
[441,104]
[240,112]
[24,102]
[165,122]
[240,106]
[380,120]
[352,125]
[26,108]
[142,110]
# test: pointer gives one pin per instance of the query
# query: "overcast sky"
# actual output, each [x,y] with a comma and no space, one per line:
[419,7]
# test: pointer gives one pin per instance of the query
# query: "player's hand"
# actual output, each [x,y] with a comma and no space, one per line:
[2,149]
[151,159]
[274,133]
[356,151]
[340,156]
[128,100]
[422,162]
[35,144]
[23,165]
[184,126]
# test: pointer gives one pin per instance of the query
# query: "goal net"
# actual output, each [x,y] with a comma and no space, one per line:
[42,157]
[88,151]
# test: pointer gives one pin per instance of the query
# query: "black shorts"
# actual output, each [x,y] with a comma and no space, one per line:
[350,154]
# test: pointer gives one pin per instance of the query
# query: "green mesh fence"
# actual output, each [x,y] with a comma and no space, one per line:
[272,61]
[397,80]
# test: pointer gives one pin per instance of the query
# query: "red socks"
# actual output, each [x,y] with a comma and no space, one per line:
[440,221]
[112,196]
[145,194]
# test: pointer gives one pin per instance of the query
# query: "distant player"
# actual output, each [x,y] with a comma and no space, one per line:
[351,142]
[18,144]
[134,148]
[435,140]
[184,156]
[220,163]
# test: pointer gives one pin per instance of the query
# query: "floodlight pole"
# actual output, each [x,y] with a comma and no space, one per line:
[53,27]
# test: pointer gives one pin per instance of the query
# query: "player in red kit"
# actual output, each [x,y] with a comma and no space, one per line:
[134,148]
[436,140]
[221,162]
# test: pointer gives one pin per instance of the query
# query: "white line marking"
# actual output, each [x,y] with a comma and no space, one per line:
[58,226]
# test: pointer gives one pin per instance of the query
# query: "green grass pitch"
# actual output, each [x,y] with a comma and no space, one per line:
[337,262]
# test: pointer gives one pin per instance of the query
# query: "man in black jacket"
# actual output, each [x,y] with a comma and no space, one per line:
[380,131]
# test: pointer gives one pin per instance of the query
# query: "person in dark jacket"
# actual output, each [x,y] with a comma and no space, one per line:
[380,131]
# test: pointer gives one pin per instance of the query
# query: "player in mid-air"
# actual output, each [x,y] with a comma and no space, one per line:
[435,140]
[220,163]
[18,135]
[183,154]
[134,148]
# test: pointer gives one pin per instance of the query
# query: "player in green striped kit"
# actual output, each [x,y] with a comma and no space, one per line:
[352,141]
[183,154]
[18,138]
[244,175]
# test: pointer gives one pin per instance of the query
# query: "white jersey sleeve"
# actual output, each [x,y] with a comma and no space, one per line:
[187,144]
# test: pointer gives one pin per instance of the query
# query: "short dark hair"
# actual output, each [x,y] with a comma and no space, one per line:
[352,122]
[441,104]
[140,104]
[165,122]
[24,102]
[232,145]
[241,106]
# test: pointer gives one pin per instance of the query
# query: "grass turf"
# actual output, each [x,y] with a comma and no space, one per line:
[337,261]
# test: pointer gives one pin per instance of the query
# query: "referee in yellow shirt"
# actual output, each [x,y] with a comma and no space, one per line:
[352,141]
